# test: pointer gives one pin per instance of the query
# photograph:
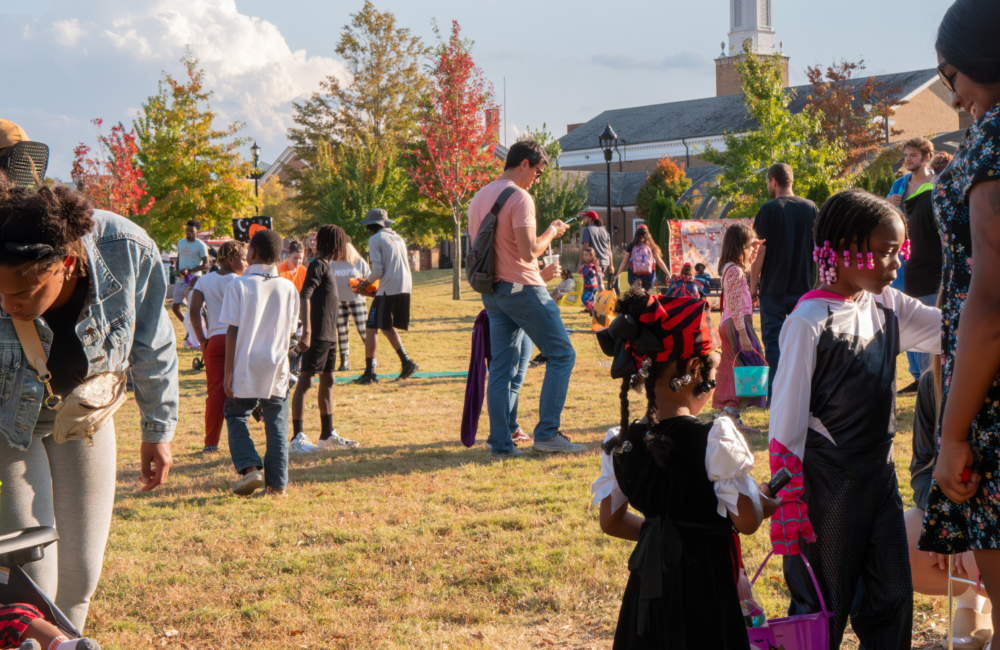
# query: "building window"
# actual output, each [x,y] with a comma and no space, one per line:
[765,13]
[635,225]
[737,13]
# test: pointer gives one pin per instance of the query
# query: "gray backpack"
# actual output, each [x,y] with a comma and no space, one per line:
[479,263]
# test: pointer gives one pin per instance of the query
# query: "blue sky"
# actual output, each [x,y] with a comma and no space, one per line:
[72,60]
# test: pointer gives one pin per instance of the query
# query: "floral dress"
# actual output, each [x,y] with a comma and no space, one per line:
[949,527]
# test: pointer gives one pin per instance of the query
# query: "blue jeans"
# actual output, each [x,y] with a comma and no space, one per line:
[533,313]
[648,279]
[921,361]
[774,309]
[241,447]
[517,379]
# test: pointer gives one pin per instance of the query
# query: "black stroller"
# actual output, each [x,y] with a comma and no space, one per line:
[16,550]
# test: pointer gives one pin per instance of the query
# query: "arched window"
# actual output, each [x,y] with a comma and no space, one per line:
[737,13]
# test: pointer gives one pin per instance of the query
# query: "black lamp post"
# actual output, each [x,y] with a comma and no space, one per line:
[609,143]
[255,174]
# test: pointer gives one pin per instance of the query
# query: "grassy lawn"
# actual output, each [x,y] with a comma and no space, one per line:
[412,541]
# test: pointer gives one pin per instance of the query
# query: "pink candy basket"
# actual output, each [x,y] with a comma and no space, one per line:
[803,632]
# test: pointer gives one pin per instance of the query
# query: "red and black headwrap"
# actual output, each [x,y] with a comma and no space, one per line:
[666,329]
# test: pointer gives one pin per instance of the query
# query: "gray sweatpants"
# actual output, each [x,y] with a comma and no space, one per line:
[72,487]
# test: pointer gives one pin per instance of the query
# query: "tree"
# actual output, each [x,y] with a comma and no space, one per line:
[345,182]
[780,137]
[667,179]
[113,180]
[278,200]
[557,195]
[838,100]
[381,102]
[193,170]
[456,156]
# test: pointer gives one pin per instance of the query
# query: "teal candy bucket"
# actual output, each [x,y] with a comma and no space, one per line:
[751,381]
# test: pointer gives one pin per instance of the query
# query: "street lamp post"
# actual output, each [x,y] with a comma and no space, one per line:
[609,143]
[255,175]
[885,118]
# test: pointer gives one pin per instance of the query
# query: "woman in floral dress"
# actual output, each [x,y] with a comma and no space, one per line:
[964,503]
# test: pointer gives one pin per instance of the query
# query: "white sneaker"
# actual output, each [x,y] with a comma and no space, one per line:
[336,442]
[301,445]
[249,483]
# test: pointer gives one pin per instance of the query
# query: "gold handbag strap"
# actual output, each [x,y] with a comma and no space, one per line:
[27,334]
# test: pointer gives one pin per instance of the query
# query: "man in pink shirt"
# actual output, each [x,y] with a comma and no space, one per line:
[520,305]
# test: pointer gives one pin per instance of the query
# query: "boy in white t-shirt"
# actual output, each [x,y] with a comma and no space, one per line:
[209,291]
[261,309]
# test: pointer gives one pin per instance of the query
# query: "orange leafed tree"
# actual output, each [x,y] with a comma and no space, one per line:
[112,181]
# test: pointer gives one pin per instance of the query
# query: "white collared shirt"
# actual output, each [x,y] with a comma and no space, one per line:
[265,308]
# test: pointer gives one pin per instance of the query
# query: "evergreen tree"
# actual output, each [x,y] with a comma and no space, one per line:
[557,194]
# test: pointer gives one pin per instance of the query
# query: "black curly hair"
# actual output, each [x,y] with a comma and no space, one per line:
[850,216]
[634,302]
[39,227]
[330,242]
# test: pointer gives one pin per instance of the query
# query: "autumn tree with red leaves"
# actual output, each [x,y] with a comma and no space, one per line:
[112,181]
[839,97]
[456,153]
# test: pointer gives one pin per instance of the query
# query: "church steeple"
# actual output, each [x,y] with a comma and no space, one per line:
[753,20]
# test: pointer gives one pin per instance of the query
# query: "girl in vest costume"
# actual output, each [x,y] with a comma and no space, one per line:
[642,258]
[833,419]
[689,479]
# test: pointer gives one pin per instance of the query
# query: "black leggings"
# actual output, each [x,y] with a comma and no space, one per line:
[860,554]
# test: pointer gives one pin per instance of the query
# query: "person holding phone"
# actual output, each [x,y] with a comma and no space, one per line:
[595,236]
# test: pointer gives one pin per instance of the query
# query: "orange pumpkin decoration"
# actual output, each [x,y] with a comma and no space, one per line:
[369,290]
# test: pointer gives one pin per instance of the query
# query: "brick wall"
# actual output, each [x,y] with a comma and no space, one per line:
[927,114]
[727,80]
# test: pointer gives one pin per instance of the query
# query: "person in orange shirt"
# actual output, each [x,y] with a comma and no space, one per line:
[292,268]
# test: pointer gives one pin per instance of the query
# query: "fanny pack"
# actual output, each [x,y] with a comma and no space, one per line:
[88,407]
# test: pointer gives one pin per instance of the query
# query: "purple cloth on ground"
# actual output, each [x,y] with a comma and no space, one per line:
[475,383]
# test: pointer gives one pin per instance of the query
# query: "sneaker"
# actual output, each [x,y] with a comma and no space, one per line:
[408,369]
[249,483]
[275,492]
[336,442]
[345,364]
[301,445]
[496,456]
[210,449]
[558,445]
[537,361]
[366,379]
[520,436]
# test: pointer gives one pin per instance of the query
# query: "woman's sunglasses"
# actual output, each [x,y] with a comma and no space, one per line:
[948,81]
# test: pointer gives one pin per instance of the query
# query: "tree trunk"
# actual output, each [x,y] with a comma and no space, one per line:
[456,258]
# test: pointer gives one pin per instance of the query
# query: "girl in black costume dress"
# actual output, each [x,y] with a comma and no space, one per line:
[689,479]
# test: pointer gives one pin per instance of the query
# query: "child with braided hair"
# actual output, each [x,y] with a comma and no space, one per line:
[833,419]
[689,479]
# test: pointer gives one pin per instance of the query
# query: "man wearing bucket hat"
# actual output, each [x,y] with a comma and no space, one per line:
[390,310]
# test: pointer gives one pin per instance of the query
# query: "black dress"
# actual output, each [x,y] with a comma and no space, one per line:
[681,592]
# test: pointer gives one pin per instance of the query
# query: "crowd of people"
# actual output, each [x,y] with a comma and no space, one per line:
[87,287]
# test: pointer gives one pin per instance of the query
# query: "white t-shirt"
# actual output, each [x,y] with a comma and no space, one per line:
[213,286]
[190,253]
[265,308]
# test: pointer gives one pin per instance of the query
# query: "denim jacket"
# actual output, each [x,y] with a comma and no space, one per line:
[123,324]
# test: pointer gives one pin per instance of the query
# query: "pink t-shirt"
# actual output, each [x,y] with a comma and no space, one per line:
[517,212]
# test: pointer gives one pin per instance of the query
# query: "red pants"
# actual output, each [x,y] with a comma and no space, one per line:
[214,355]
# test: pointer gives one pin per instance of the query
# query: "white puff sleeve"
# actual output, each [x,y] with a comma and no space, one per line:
[728,461]
[606,484]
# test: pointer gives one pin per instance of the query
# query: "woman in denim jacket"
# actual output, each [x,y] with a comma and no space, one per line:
[93,284]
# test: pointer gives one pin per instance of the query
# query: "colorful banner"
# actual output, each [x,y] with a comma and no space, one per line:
[699,242]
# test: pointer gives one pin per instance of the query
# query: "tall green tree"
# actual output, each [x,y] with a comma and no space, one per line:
[345,182]
[781,136]
[557,194]
[667,179]
[380,103]
[192,169]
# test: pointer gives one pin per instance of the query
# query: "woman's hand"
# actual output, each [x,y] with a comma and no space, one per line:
[155,461]
[227,384]
[755,244]
[744,337]
[304,341]
[768,505]
[953,459]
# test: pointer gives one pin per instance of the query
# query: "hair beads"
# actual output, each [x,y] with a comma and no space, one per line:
[904,250]
[827,259]
[847,259]
[871,261]
[861,263]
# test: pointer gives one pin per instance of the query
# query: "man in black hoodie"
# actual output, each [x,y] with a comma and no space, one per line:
[922,279]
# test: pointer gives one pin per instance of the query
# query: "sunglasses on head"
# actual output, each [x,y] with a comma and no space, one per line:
[948,81]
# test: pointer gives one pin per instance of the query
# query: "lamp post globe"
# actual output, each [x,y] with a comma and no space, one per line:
[609,143]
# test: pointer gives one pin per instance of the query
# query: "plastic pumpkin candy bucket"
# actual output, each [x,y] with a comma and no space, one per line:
[751,381]
[604,308]
[369,290]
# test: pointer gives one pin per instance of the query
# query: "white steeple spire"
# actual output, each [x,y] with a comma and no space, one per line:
[751,19]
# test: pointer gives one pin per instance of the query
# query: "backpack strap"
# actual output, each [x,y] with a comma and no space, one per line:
[506,194]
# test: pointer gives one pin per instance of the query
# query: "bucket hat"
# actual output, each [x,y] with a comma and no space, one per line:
[377,217]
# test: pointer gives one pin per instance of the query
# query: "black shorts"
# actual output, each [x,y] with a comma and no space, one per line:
[390,312]
[320,357]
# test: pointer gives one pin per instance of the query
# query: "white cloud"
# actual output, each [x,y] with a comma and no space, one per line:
[110,56]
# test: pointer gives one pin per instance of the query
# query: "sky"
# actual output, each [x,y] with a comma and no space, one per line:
[69,61]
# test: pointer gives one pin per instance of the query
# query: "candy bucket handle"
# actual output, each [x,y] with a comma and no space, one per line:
[822,601]
[736,357]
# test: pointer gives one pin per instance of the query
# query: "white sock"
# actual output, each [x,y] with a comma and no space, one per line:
[971,600]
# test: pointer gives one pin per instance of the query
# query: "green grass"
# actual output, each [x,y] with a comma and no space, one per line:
[412,541]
